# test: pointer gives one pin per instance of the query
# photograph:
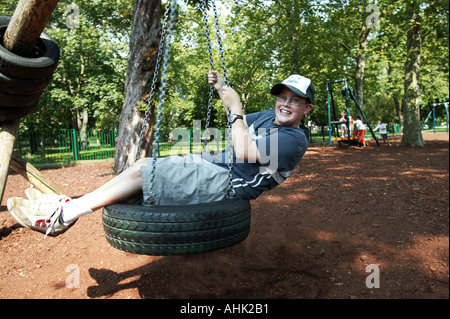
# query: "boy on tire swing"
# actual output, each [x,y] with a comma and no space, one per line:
[204,177]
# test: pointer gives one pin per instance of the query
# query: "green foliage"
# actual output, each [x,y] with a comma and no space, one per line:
[93,39]
[264,41]
[7,7]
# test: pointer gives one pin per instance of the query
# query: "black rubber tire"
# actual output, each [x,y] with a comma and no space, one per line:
[12,85]
[41,64]
[177,230]
[12,113]
[15,100]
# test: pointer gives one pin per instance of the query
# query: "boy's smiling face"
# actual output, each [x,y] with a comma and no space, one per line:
[289,115]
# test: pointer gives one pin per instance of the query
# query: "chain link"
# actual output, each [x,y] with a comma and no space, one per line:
[167,32]
[219,40]
[211,62]
[165,46]
[155,80]
[231,191]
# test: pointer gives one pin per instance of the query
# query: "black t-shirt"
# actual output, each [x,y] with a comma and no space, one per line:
[281,149]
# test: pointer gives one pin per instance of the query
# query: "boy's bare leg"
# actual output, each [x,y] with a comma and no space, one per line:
[119,189]
[122,177]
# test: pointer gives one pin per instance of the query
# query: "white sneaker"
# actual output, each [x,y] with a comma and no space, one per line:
[41,216]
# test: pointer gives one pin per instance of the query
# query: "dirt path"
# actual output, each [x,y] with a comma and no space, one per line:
[312,237]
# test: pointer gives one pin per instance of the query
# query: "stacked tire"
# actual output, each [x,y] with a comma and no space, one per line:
[24,79]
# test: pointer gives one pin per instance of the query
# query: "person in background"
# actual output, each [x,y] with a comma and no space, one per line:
[382,127]
[344,127]
[360,131]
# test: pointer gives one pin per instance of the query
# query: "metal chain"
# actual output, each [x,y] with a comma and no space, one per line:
[211,62]
[219,40]
[155,80]
[162,91]
[170,19]
[231,191]
[208,117]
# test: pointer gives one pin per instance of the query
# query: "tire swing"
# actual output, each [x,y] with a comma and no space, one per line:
[178,230]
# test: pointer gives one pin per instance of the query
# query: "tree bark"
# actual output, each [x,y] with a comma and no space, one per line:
[144,44]
[412,132]
[361,66]
[81,119]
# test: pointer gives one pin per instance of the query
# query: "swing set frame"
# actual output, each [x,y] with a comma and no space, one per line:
[433,112]
[331,106]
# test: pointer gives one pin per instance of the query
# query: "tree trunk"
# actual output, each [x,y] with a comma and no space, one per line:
[412,133]
[360,58]
[292,13]
[361,66]
[144,43]
[398,110]
[83,118]
[80,119]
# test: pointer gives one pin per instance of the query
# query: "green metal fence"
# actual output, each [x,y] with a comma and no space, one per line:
[66,146]
[70,145]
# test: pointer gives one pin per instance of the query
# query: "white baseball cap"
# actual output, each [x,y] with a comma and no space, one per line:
[298,84]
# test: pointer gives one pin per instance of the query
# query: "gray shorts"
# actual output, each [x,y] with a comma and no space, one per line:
[184,180]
